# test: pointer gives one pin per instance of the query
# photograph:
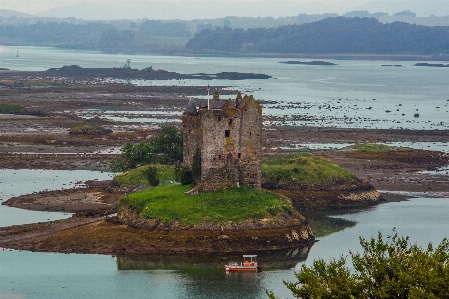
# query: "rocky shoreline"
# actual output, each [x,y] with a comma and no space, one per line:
[45,142]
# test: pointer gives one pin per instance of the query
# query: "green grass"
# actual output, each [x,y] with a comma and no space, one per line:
[303,169]
[169,203]
[136,177]
[41,83]
[373,147]
[11,108]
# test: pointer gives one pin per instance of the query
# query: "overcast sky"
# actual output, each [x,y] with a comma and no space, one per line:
[205,9]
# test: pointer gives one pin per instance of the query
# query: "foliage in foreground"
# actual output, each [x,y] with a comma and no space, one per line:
[169,203]
[302,168]
[386,269]
[166,148]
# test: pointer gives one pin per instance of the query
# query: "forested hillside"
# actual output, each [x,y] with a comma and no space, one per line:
[331,35]
[113,37]
[334,35]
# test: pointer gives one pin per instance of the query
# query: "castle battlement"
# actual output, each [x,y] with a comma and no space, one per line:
[228,136]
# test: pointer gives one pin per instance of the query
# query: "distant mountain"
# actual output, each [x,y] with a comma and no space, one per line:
[95,11]
[364,14]
[424,8]
[329,36]
[358,33]
[7,13]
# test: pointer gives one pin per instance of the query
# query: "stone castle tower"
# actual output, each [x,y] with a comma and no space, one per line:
[228,136]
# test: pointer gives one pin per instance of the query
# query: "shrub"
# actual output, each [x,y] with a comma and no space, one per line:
[184,175]
[166,148]
[386,269]
[151,174]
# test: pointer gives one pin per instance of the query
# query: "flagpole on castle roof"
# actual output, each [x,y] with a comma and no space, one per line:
[208,97]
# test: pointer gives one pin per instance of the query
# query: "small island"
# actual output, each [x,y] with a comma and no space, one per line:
[223,199]
[431,64]
[246,197]
[147,73]
[315,62]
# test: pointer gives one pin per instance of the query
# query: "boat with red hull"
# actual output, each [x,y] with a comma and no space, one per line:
[249,264]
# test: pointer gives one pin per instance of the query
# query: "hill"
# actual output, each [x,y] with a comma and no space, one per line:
[332,35]
[8,13]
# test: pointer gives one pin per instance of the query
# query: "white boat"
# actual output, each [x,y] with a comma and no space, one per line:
[249,264]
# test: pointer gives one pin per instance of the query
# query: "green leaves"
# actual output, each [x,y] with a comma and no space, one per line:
[166,148]
[386,269]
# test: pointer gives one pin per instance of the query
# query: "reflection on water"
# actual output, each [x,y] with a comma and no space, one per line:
[44,275]
[270,260]
[326,221]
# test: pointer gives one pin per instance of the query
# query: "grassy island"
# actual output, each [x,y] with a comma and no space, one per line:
[302,169]
[169,203]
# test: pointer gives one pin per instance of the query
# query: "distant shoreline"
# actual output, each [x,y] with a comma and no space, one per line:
[336,56]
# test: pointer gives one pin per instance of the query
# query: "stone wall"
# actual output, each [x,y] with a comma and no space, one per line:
[229,136]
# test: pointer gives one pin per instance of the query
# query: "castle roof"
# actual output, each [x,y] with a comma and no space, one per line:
[191,109]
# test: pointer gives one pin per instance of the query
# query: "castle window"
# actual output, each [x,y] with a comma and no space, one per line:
[249,133]
[219,157]
[239,155]
[230,121]
[227,133]
[219,118]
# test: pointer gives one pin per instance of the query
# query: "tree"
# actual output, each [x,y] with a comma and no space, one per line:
[168,145]
[386,269]
[166,148]
[183,174]
[152,176]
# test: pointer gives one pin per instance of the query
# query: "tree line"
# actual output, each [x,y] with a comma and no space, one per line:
[148,36]
[331,35]
[328,36]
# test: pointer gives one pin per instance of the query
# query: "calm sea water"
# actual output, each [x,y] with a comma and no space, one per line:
[48,275]
[352,94]
[25,181]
